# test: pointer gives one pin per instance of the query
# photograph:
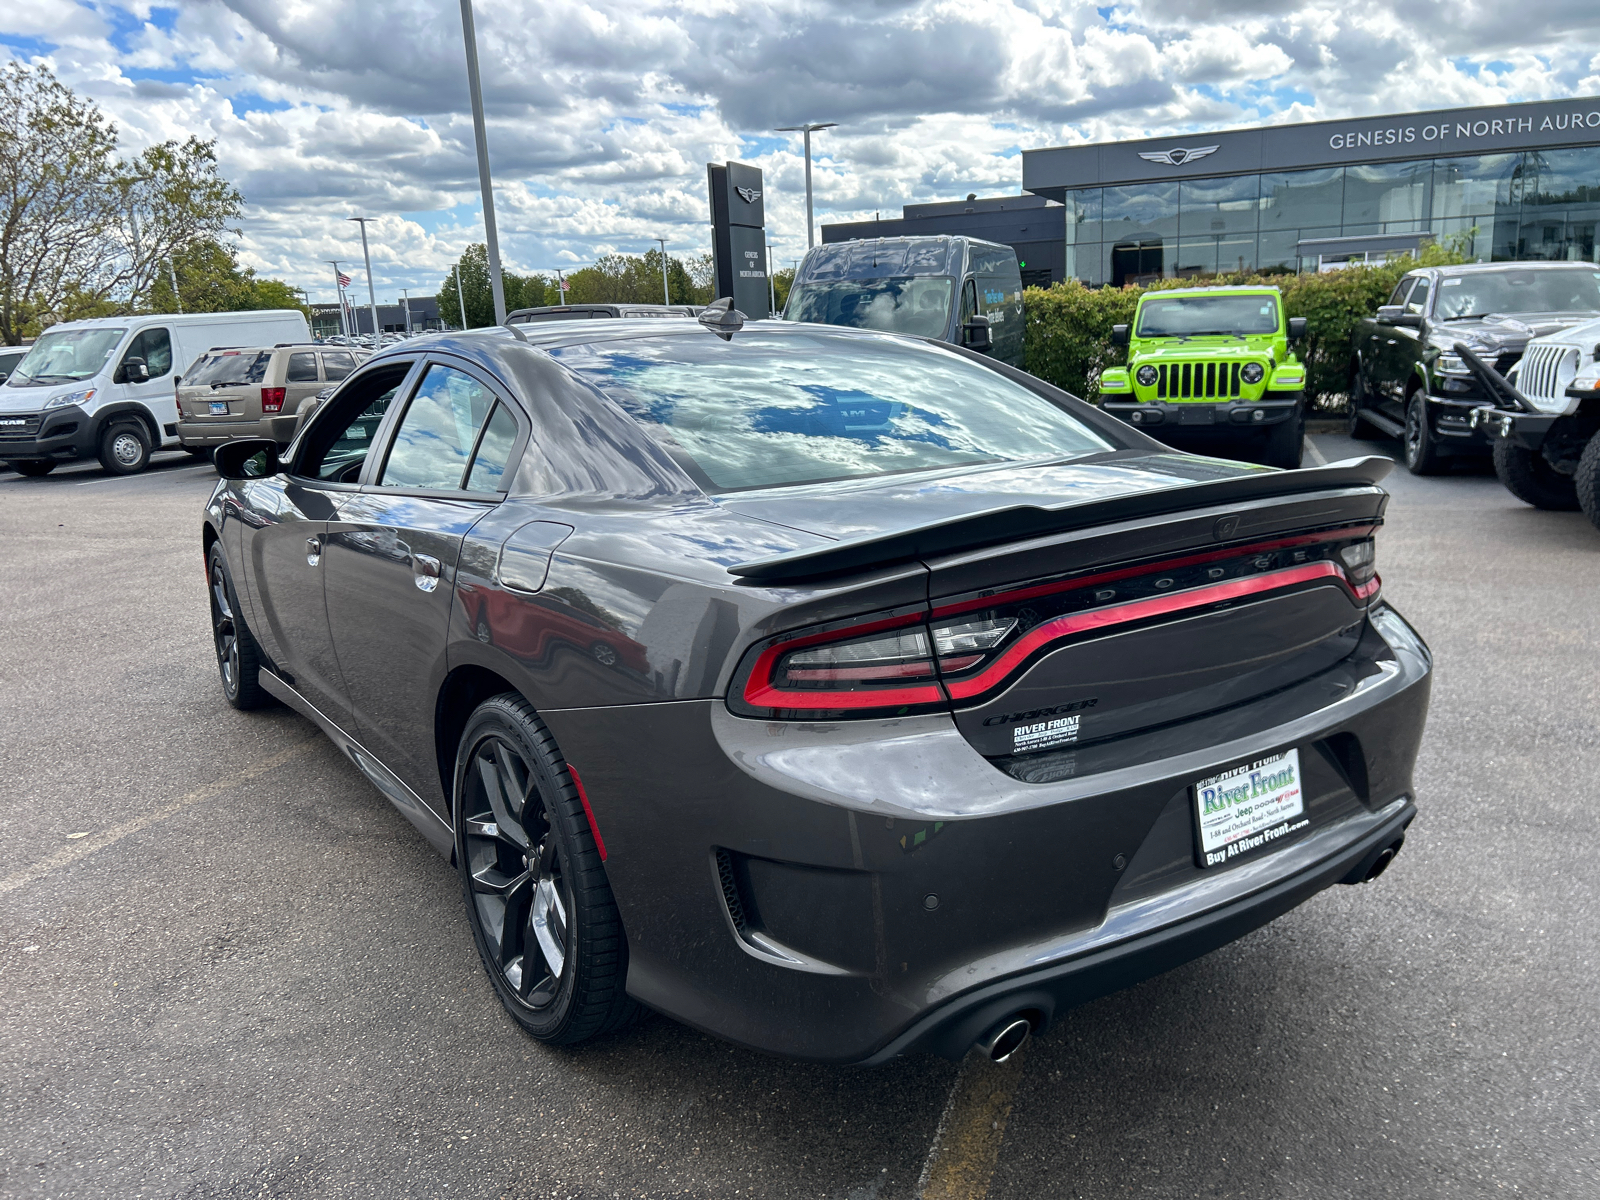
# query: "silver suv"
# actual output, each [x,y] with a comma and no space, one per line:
[255,391]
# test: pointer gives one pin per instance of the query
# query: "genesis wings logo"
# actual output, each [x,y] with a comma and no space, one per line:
[1177,156]
[750,195]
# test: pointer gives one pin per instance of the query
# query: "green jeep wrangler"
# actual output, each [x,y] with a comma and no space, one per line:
[1215,363]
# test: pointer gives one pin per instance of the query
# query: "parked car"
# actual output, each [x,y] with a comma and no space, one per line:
[939,701]
[1407,381]
[105,389]
[1215,365]
[255,391]
[959,290]
[1545,420]
[597,312]
[10,356]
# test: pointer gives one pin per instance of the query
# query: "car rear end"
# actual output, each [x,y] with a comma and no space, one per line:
[255,392]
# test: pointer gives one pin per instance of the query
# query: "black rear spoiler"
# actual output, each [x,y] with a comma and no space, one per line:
[1021,521]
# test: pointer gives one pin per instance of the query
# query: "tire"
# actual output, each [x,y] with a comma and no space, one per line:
[1531,479]
[1359,428]
[1587,481]
[203,453]
[1422,451]
[125,447]
[33,468]
[238,655]
[1286,441]
[542,914]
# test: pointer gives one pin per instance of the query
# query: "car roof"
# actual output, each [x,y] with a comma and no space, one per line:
[1504,265]
[1241,289]
[233,318]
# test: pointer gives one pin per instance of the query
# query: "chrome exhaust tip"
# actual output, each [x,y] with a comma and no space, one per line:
[1380,864]
[1006,1039]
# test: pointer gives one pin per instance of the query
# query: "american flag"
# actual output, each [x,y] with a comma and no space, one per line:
[344,280]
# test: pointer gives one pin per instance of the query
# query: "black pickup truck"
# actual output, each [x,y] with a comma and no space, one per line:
[1406,378]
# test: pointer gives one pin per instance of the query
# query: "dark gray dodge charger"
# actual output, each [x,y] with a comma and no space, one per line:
[838,693]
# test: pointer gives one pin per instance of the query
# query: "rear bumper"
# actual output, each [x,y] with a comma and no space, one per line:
[1232,416]
[210,434]
[845,892]
[61,434]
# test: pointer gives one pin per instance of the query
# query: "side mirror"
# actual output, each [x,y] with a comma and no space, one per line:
[1119,335]
[247,458]
[1297,328]
[134,370]
[1388,314]
[976,335]
[4,375]
[1410,320]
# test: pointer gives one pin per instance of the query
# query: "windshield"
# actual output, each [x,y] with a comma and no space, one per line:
[774,410]
[919,306]
[1528,290]
[227,367]
[65,356]
[1184,316]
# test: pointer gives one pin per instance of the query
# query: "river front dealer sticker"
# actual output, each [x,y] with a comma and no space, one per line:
[1249,808]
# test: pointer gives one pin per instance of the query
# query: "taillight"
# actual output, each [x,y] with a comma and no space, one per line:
[880,666]
[272,399]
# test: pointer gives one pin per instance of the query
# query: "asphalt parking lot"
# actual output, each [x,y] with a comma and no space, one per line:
[230,968]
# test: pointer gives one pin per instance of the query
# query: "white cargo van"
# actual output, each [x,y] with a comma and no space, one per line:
[107,388]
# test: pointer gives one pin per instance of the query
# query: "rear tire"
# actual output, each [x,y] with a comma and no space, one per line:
[33,468]
[541,910]
[238,656]
[125,448]
[1286,441]
[1531,479]
[1586,481]
[1422,451]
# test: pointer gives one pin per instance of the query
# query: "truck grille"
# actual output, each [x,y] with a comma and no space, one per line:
[26,431]
[1199,381]
[1546,371]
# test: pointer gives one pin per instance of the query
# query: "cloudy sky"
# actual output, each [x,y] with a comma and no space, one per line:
[603,114]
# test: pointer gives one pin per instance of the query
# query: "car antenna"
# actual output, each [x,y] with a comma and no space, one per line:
[722,318]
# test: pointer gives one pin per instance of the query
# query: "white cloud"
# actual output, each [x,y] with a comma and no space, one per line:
[602,114]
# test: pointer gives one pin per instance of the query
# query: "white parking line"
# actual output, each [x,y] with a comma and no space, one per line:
[1314,454]
[146,475]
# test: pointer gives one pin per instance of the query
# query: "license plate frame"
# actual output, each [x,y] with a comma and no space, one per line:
[219,408]
[1248,809]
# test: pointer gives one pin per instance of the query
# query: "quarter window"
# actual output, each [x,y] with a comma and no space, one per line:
[494,450]
[302,367]
[436,436]
[337,364]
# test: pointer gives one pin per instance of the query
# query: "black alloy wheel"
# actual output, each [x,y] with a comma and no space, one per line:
[542,913]
[238,657]
[1422,452]
[1530,478]
[33,467]
[125,448]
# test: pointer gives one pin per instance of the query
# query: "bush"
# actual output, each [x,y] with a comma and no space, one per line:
[1069,325]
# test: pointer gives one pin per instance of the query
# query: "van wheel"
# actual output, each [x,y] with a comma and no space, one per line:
[33,467]
[1533,480]
[1587,479]
[541,909]
[125,448]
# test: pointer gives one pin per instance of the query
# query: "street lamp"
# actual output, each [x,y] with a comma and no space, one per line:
[808,130]
[666,292]
[772,287]
[405,300]
[338,295]
[372,292]
[461,299]
[491,237]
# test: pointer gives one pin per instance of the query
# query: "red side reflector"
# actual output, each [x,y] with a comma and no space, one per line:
[272,399]
[583,796]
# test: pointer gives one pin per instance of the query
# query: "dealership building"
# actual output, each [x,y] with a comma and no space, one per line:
[1519,181]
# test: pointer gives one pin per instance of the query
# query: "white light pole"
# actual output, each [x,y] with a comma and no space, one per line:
[491,237]
[372,292]
[405,300]
[561,285]
[461,298]
[177,300]
[666,292]
[772,286]
[338,296]
[808,130]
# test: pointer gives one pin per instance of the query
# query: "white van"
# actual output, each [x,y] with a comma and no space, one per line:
[107,388]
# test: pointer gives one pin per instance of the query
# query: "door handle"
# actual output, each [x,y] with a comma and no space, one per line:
[425,572]
[313,551]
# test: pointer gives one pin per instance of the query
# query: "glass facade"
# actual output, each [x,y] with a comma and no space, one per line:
[1537,204]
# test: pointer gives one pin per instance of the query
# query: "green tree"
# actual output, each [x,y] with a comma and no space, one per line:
[169,198]
[636,279]
[57,163]
[210,279]
[782,281]
[522,291]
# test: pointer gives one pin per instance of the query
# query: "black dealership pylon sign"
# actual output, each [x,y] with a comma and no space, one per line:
[738,236]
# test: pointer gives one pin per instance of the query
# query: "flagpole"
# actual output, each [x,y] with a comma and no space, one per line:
[338,296]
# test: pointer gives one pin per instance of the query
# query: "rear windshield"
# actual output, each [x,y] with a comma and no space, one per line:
[1196,315]
[1525,290]
[225,367]
[919,305]
[775,410]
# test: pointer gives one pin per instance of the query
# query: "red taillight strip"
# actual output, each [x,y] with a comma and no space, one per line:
[583,797]
[759,692]
[1135,610]
[1067,585]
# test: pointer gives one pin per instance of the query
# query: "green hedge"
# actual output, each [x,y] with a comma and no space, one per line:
[1069,325]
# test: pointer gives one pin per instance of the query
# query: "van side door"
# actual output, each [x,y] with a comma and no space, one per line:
[153,344]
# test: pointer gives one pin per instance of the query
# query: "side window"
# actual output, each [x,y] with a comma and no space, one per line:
[155,347]
[1400,290]
[436,436]
[494,450]
[969,301]
[337,364]
[340,437]
[1418,300]
[302,367]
